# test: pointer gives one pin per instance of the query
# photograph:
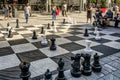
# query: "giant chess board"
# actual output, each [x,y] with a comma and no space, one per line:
[69,41]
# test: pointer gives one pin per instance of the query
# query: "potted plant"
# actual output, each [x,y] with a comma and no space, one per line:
[103,5]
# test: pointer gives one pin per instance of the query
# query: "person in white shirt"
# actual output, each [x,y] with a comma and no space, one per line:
[27,11]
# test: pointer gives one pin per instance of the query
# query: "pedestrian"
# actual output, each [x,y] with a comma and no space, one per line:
[6,11]
[10,11]
[27,11]
[89,14]
[117,20]
[54,13]
[64,9]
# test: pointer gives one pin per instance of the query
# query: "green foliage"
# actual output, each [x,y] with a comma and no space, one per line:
[103,3]
[118,3]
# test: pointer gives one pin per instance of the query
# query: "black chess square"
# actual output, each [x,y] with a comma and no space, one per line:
[66,58]
[118,40]
[106,50]
[75,32]
[2,39]
[13,72]
[27,35]
[38,44]
[74,38]
[31,56]
[72,46]
[116,34]
[19,41]
[50,36]
[6,51]
[102,40]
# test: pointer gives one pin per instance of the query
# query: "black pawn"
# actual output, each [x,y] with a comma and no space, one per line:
[96,67]
[48,27]
[17,23]
[52,23]
[75,71]
[25,73]
[8,24]
[86,65]
[86,33]
[34,35]
[63,21]
[53,46]
[42,30]
[60,69]
[9,33]
[48,75]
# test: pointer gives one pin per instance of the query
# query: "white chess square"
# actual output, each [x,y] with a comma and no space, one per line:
[9,61]
[15,37]
[25,32]
[109,37]
[113,44]
[82,42]
[23,47]
[57,52]
[40,66]
[4,44]
[62,41]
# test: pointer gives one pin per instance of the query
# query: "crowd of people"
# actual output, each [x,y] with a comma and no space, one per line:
[102,18]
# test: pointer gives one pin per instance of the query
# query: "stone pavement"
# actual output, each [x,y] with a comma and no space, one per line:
[111,64]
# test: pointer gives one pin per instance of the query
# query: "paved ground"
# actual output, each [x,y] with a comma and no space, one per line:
[22,48]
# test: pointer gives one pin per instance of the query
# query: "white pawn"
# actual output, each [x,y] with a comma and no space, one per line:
[88,49]
[44,41]
[54,28]
[97,37]
[96,29]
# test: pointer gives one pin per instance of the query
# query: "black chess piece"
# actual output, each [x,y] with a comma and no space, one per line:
[48,26]
[42,30]
[86,33]
[8,24]
[60,69]
[96,67]
[48,75]
[9,33]
[53,46]
[53,23]
[75,71]
[25,73]
[34,35]
[17,23]
[86,65]
[63,21]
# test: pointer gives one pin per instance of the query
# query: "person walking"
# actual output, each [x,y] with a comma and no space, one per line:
[27,11]
[89,14]
[6,11]
[54,13]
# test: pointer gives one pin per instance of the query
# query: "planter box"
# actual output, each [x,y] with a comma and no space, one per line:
[103,10]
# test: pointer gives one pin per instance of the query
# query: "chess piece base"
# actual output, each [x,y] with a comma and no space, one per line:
[53,48]
[97,38]
[60,78]
[87,72]
[96,69]
[75,74]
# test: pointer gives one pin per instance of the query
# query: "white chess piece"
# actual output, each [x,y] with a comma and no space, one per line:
[97,37]
[54,28]
[44,41]
[88,49]
[96,29]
